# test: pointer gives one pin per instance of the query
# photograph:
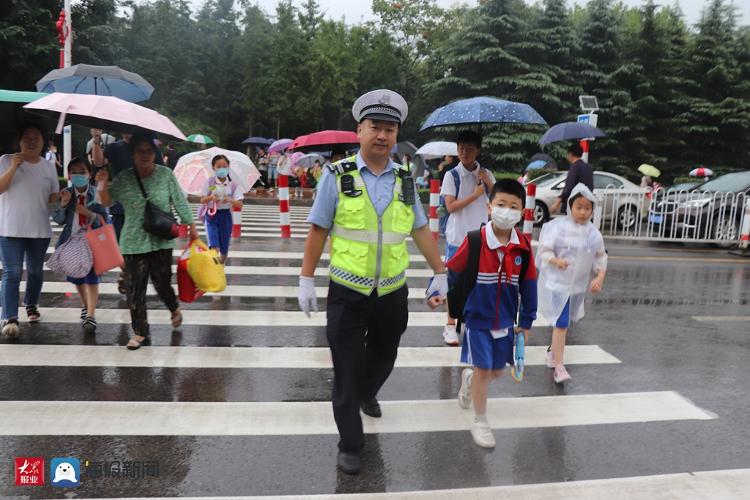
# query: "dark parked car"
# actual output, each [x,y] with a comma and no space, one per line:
[715,209]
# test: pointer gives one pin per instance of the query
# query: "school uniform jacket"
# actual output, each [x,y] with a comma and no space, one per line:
[493,302]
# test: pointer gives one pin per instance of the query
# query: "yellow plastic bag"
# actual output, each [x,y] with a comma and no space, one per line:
[205,268]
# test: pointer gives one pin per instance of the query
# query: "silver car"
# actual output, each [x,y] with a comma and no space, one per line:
[624,203]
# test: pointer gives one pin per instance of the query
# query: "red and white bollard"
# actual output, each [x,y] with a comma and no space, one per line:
[284,221]
[745,232]
[528,211]
[236,222]
[585,146]
[434,202]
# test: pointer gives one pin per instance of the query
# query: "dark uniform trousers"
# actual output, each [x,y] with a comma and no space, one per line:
[363,334]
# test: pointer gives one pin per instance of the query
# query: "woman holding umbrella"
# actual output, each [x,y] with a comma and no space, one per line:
[28,184]
[146,255]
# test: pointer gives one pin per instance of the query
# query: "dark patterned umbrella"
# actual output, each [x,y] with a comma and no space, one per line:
[479,110]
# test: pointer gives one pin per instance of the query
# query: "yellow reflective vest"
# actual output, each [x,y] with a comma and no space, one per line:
[369,251]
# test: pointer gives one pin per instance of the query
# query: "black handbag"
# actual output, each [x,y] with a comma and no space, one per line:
[155,220]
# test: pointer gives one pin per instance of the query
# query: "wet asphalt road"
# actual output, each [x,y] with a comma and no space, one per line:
[648,316]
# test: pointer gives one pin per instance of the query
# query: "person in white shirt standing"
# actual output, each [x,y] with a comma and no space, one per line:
[465,189]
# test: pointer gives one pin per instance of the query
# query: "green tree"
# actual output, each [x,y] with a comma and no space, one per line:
[719,115]
[28,41]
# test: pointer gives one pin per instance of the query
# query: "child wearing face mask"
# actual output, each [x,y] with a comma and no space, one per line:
[76,209]
[220,195]
[571,250]
[492,304]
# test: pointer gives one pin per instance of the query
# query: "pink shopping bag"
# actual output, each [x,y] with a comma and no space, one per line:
[104,248]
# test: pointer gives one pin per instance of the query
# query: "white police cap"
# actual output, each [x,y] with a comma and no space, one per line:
[382,104]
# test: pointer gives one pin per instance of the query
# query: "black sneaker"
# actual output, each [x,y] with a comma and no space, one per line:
[32,312]
[84,315]
[89,325]
[371,408]
[10,328]
[349,462]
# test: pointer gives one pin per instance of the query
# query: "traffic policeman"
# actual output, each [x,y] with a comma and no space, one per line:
[368,205]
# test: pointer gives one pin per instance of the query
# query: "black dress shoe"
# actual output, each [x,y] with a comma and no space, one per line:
[349,462]
[371,408]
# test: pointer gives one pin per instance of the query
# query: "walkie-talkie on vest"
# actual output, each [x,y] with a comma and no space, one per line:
[347,186]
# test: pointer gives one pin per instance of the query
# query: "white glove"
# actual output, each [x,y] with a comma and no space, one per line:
[306,295]
[439,285]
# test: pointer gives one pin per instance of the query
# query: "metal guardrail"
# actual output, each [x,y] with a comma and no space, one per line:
[673,215]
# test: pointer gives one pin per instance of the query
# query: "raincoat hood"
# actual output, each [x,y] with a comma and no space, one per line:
[584,191]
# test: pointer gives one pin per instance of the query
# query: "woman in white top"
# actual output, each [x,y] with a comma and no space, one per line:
[28,185]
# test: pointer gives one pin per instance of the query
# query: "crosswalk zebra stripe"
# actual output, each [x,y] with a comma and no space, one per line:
[715,484]
[223,318]
[255,357]
[254,291]
[283,271]
[101,418]
[271,254]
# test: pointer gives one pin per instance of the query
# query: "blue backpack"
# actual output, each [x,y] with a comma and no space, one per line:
[443,213]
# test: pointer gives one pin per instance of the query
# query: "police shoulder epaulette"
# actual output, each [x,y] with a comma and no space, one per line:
[342,167]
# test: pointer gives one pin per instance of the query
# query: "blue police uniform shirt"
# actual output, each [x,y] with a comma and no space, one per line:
[379,188]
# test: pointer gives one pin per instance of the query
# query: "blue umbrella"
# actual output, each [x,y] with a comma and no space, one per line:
[536,165]
[479,110]
[569,131]
[258,141]
[96,80]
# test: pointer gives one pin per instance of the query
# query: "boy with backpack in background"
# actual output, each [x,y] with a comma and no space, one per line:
[464,196]
[495,264]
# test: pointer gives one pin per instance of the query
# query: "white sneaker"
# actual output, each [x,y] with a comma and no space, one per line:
[464,393]
[561,374]
[10,329]
[481,432]
[550,360]
[450,336]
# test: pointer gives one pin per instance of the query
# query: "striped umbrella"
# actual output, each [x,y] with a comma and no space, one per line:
[200,139]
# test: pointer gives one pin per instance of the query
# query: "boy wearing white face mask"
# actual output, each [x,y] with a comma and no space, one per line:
[464,190]
[506,267]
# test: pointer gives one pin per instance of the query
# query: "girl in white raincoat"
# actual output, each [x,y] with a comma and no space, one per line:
[570,251]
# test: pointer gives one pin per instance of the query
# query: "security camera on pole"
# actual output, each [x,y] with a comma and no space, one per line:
[589,105]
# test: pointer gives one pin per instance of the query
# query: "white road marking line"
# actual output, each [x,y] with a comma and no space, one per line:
[714,484]
[713,319]
[103,418]
[255,357]
[228,318]
[271,254]
[279,271]
[224,318]
[254,291]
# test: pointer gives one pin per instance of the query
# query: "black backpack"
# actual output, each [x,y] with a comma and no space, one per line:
[465,281]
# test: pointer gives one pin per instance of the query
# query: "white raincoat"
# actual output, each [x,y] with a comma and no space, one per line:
[582,246]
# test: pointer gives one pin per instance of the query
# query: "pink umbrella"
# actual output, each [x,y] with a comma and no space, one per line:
[280,145]
[194,169]
[295,158]
[326,138]
[104,112]
[701,172]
